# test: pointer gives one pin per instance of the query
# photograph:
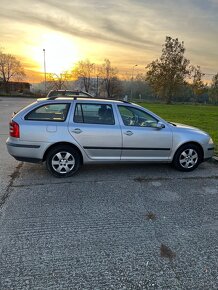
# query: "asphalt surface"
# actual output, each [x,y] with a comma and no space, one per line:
[108,227]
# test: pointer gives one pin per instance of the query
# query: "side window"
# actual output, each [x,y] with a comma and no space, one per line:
[136,117]
[94,114]
[49,112]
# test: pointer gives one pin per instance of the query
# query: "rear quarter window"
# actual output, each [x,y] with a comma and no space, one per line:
[49,112]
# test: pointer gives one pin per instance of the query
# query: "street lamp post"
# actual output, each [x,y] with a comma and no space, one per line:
[132,79]
[44,70]
[97,86]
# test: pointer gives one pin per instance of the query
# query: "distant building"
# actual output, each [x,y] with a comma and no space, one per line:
[18,87]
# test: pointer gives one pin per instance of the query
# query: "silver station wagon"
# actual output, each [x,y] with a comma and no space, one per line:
[67,132]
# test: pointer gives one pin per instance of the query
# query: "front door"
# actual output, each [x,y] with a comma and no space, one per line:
[142,140]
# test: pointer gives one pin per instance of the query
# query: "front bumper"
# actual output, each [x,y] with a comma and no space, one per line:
[209,152]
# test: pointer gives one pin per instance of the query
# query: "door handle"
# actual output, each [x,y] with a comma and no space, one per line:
[77,131]
[128,133]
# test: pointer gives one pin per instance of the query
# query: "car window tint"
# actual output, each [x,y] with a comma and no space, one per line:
[49,112]
[136,117]
[94,114]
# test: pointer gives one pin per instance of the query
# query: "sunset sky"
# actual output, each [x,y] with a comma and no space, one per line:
[128,32]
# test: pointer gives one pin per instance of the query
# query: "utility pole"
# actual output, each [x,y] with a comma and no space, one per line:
[44,70]
[132,80]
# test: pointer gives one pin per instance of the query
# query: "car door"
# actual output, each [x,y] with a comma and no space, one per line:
[96,128]
[142,139]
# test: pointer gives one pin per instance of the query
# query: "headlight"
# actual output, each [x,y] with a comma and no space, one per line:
[210,141]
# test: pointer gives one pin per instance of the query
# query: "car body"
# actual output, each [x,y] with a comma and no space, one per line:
[67,132]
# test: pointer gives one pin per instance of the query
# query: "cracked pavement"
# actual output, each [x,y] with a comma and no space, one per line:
[108,227]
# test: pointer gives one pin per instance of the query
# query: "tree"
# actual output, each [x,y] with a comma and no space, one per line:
[198,87]
[10,69]
[140,87]
[110,81]
[116,87]
[213,92]
[58,82]
[84,70]
[168,73]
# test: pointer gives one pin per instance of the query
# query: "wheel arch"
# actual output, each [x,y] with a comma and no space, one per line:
[63,144]
[191,143]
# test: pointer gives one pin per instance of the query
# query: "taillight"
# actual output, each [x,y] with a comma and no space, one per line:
[14,130]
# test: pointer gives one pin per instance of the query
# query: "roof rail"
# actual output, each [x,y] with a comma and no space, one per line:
[108,99]
[89,96]
[125,101]
[52,95]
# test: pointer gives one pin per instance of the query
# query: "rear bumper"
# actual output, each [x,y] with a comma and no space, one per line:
[30,152]
[26,159]
[9,144]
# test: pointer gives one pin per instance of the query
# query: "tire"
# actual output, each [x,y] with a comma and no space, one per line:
[187,157]
[63,161]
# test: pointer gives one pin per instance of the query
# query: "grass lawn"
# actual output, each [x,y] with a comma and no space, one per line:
[204,117]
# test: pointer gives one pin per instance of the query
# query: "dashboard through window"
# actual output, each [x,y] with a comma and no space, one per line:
[94,114]
[136,117]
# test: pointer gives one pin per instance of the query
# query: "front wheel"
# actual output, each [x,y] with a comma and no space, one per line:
[187,157]
[63,161]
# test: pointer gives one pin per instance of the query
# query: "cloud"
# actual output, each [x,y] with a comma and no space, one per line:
[138,26]
[76,21]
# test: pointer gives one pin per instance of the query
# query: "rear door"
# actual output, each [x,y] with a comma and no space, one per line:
[95,126]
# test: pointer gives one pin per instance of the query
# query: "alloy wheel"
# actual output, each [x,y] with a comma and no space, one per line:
[63,162]
[188,158]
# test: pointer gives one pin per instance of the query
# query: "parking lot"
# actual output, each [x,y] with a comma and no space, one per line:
[131,226]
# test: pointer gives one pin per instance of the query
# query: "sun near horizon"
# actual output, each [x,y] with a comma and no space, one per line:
[58,52]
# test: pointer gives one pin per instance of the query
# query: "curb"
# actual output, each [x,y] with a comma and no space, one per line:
[214,159]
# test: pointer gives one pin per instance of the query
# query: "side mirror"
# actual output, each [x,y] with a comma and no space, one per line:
[160,125]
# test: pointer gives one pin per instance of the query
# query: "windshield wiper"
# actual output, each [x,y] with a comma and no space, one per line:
[172,124]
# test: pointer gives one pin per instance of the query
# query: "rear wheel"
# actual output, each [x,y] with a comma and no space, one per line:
[63,161]
[187,157]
